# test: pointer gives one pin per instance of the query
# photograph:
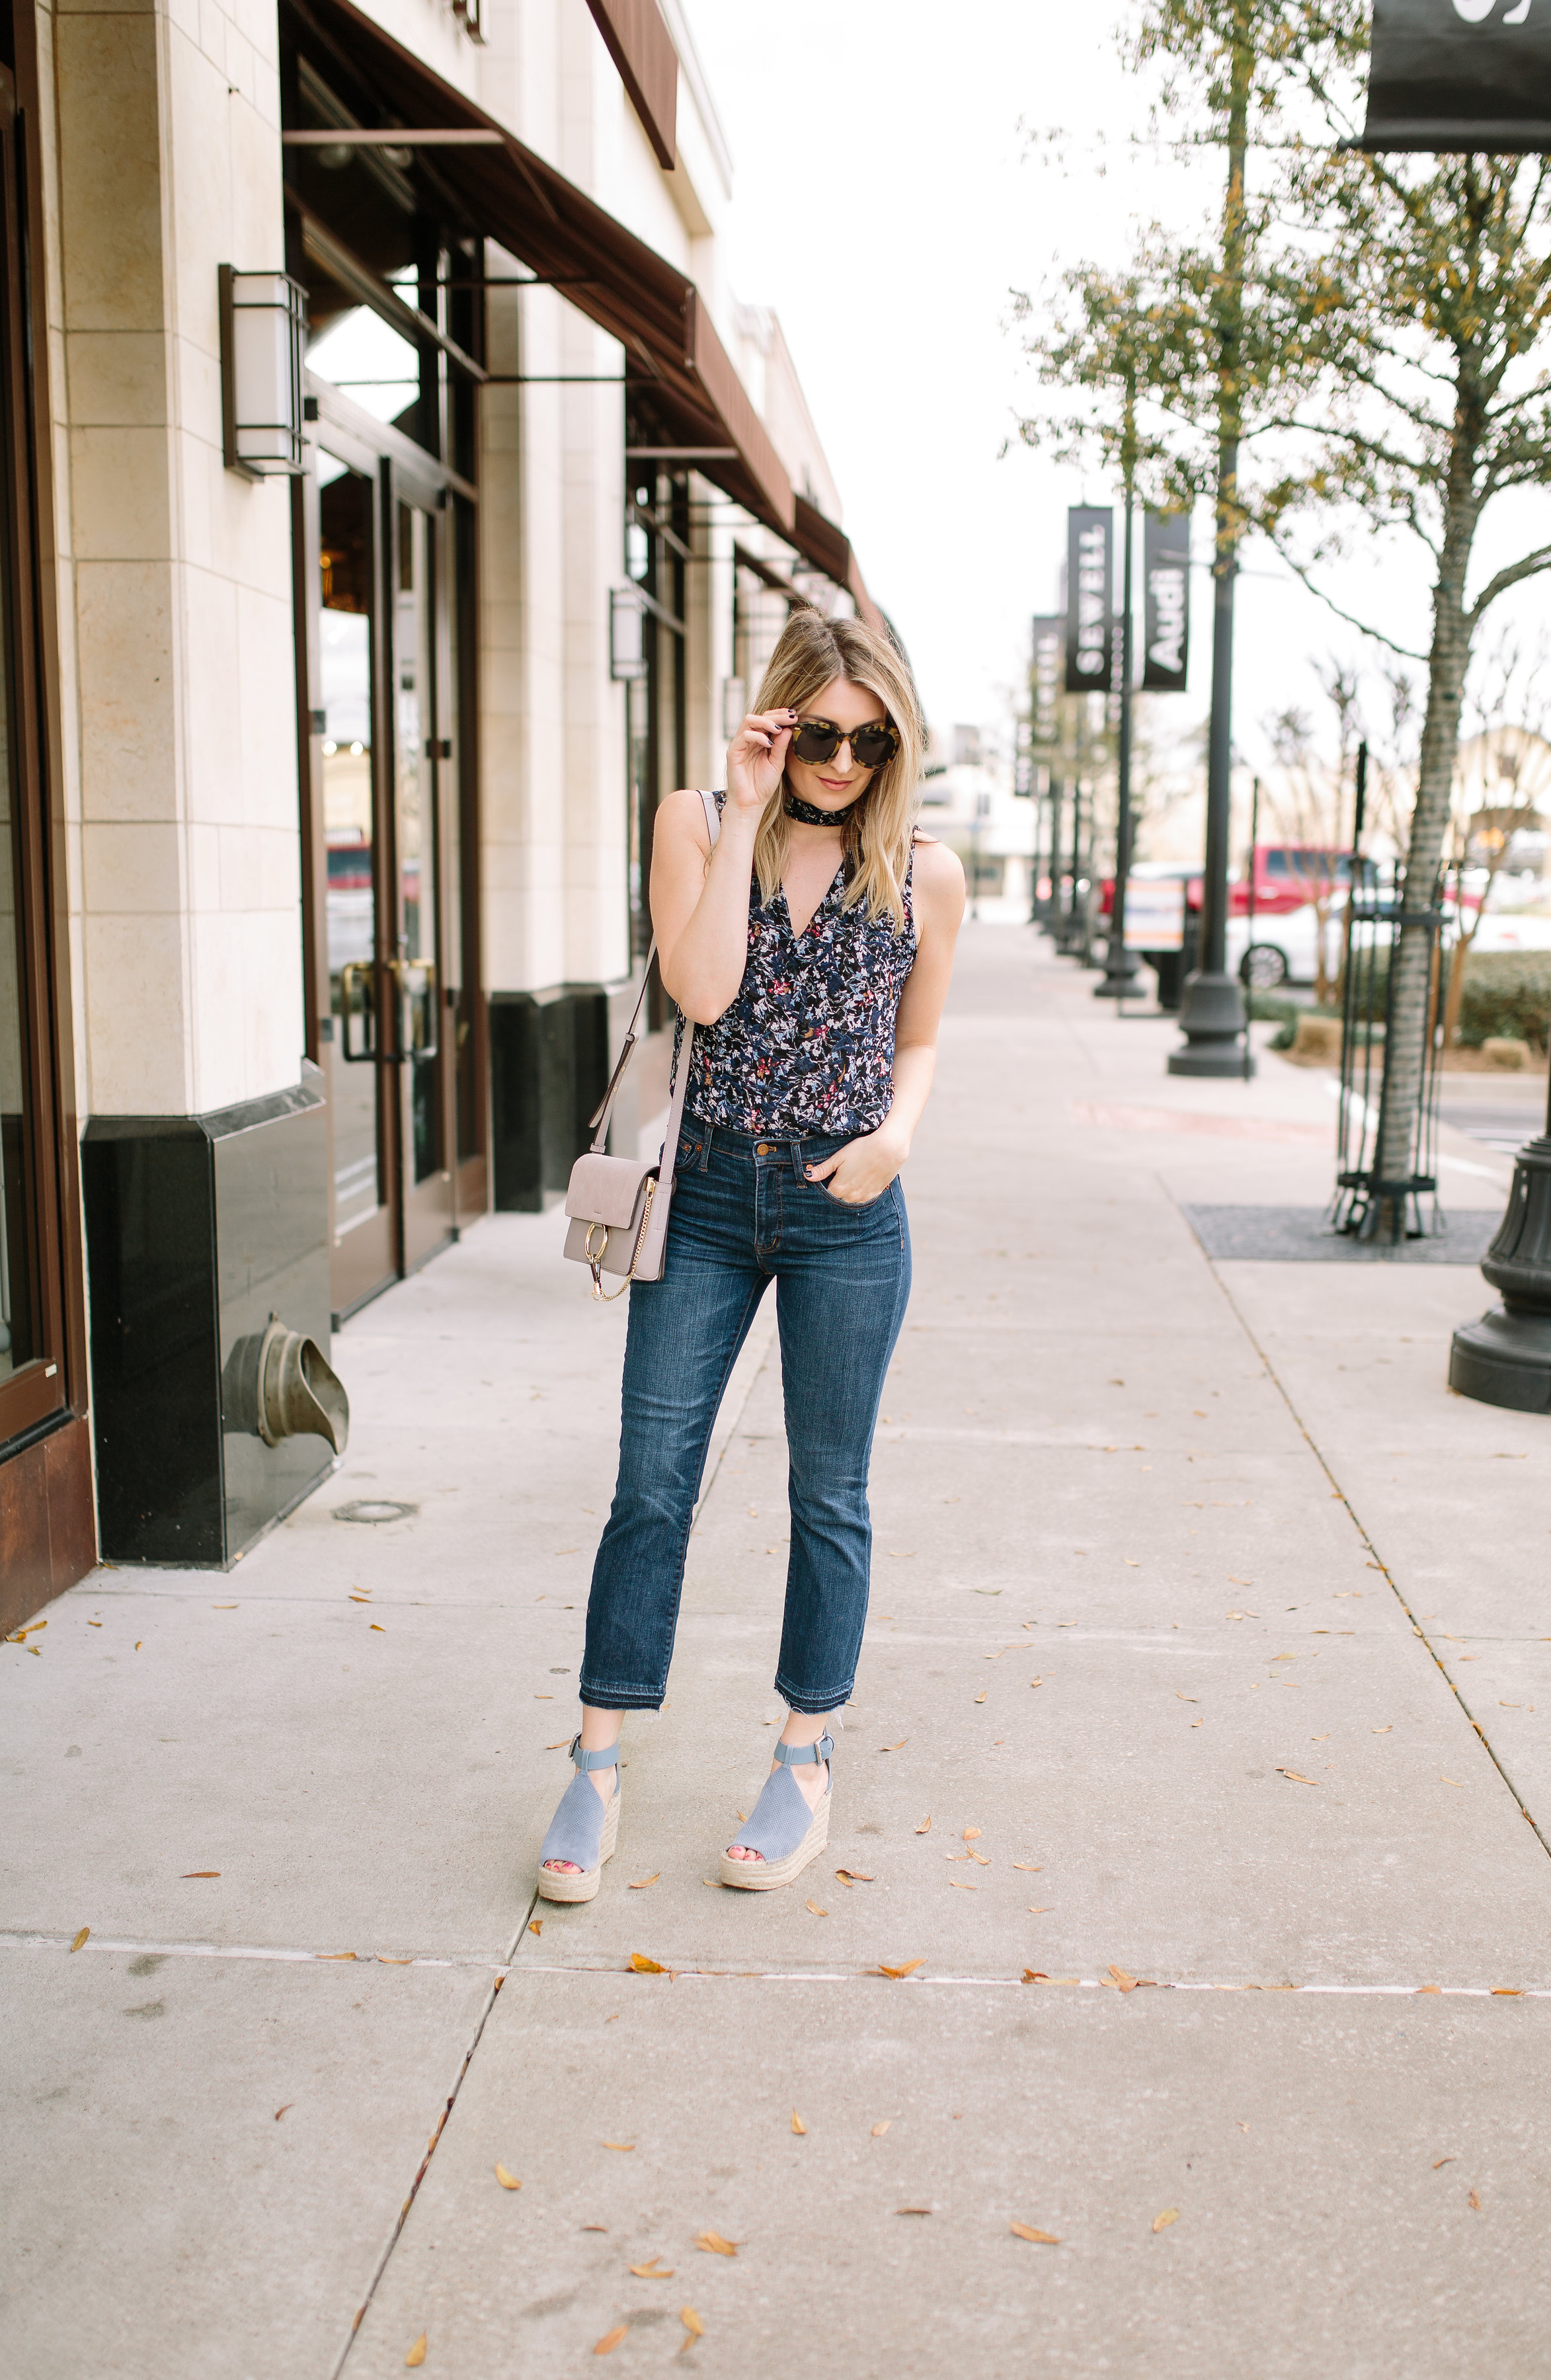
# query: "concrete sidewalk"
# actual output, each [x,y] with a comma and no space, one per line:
[1126,1502]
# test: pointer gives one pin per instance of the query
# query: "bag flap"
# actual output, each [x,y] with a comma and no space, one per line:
[607,1189]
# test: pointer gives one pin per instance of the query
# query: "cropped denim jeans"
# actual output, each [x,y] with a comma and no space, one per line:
[744,1215]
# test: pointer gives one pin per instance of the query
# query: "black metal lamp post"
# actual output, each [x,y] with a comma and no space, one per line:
[1212,1012]
[1122,967]
[1505,1359]
[1050,906]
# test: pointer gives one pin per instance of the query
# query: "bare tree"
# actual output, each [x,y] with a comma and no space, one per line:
[1503,771]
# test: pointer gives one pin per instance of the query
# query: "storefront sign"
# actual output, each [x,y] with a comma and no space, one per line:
[1166,571]
[1450,75]
[1154,914]
[1045,682]
[1089,599]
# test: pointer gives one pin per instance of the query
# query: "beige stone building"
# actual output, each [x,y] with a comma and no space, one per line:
[399,501]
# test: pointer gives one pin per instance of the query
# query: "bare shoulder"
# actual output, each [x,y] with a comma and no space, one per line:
[939,876]
[682,817]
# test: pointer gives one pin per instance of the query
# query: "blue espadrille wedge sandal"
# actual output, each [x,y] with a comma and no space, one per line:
[583,1830]
[781,1828]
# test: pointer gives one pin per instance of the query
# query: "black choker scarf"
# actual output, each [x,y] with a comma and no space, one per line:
[807,815]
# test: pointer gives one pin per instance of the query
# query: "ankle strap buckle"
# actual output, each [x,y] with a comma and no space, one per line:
[794,1756]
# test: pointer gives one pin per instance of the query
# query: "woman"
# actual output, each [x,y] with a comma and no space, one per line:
[812,948]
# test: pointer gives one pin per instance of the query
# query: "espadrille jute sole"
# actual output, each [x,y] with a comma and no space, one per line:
[554,1885]
[766,1876]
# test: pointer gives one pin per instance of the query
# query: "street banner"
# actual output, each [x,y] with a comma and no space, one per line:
[1166,618]
[1045,682]
[1154,914]
[1450,75]
[1090,661]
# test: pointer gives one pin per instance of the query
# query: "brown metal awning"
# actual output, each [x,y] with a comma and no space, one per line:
[513,196]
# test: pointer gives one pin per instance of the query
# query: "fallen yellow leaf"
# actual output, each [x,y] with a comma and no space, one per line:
[855,1876]
[656,2271]
[907,1970]
[1449,1780]
[534,1925]
[979,1858]
[1169,2215]
[1028,1868]
[817,1910]
[191,1873]
[879,2129]
[84,1936]
[417,2354]
[1292,1775]
[1122,1980]
[507,2181]
[694,2325]
[611,2338]
[379,1627]
[926,1826]
[981,1696]
[714,2244]
[971,1834]
[1027,2231]
[895,1748]
[1383,1730]
[1475,2202]
[642,1965]
[798,2123]
[625,2146]
[961,1883]
[642,1882]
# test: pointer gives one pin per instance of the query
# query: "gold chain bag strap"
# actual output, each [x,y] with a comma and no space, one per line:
[618,1205]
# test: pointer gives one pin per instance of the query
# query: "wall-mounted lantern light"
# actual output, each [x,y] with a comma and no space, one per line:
[263,329]
[628,618]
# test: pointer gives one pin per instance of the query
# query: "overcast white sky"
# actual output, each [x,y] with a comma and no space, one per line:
[887,205]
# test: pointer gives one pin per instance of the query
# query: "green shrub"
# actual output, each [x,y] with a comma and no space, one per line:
[1506,996]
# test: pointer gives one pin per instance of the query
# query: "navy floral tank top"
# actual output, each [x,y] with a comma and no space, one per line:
[808,1045]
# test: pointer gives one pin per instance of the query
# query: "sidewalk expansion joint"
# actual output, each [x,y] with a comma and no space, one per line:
[500,1968]
[497,1979]
[1378,1562]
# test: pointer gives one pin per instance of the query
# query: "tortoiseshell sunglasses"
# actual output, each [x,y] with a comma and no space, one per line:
[816,741]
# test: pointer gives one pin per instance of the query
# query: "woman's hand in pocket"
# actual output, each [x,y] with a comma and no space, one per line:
[863,1169]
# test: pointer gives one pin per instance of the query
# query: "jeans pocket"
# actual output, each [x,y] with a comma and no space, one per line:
[850,1206]
[689,1151]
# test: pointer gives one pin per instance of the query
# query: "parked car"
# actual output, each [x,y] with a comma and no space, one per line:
[1274,940]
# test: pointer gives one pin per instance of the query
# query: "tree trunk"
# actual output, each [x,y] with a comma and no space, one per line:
[1411,970]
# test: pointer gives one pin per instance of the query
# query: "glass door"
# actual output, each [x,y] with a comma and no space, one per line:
[422,756]
[392,830]
[356,1059]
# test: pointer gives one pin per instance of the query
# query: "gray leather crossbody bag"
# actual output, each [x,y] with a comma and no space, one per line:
[618,1205]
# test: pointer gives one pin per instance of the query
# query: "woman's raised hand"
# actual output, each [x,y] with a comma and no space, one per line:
[756,758]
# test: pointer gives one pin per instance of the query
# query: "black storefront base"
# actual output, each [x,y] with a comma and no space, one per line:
[197,1229]
[549,1070]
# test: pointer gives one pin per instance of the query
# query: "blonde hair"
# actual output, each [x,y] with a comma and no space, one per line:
[810,653]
